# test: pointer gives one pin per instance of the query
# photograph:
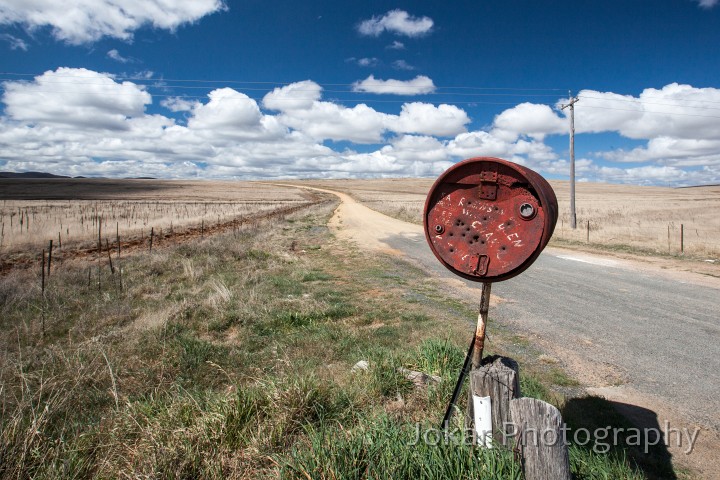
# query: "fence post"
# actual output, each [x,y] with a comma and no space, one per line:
[588,232]
[498,378]
[49,258]
[540,437]
[682,238]
[42,277]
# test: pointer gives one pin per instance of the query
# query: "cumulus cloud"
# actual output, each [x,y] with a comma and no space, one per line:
[395,45]
[178,104]
[80,122]
[678,111]
[302,110]
[85,21]
[232,114]
[417,86]
[331,121]
[398,22]
[707,3]
[530,119]
[75,98]
[295,96]
[425,118]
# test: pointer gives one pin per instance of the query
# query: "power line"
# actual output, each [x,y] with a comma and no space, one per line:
[457,91]
[249,82]
[651,112]
[644,102]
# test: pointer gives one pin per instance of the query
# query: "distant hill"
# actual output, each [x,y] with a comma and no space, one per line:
[30,175]
[51,175]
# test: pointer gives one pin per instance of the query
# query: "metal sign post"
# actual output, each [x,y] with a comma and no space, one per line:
[487,219]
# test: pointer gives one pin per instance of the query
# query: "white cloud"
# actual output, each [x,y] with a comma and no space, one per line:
[368,62]
[75,98]
[417,86]
[80,122]
[396,21]
[412,148]
[678,111]
[707,3]
[425,118]
[395,45]
[231,114]
[86,21]
[115,55]
[178,104]
[330,121]
[402,65]
[295,96]
[530,119]
[15,42]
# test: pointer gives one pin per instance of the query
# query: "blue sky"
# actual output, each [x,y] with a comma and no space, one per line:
[277,89]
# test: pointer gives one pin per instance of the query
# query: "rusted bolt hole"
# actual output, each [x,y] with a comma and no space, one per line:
[476,237]
[439,228]
[502,248]
[484,219]
[452,234]
[452,250]
[508,223]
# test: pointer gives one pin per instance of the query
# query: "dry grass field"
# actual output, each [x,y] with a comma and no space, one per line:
[626,217]
[71,211]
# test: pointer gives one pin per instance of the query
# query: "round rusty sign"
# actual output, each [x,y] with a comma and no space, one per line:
[487,219]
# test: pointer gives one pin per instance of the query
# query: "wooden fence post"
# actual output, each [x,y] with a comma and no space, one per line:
[42,275]
[540,437]
[49,262]
[682,238]
[499,379]
[587,238]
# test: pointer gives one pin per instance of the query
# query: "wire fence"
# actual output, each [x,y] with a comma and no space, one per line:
[672,237]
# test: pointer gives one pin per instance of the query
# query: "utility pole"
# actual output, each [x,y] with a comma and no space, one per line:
[571,104]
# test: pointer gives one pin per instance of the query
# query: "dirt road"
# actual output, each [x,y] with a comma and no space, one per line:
[633,332]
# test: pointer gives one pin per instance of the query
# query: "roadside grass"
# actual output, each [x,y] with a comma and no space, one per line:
[233,356]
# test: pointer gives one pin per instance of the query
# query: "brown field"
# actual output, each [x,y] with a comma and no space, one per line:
[644,218]
[70,211]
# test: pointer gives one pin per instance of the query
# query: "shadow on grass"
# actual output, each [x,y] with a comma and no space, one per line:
[601,425]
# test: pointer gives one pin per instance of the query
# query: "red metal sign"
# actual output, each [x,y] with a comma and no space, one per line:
[488,219]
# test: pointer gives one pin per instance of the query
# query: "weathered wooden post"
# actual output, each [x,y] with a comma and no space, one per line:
[487,220]
[49,262]
[497,378]
[539,432]
[682,238]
